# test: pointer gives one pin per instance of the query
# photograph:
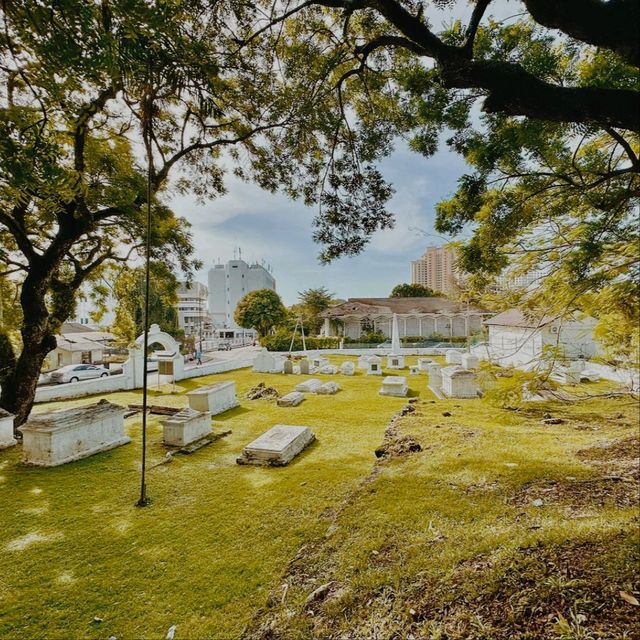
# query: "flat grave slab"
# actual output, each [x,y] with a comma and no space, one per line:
[278,446]
[309,386]
[292,399]
[394,386]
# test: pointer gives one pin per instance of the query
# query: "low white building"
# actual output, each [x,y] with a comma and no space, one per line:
[79,344]
[193,309]
[521,340]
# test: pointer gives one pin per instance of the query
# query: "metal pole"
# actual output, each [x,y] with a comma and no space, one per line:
[143,501]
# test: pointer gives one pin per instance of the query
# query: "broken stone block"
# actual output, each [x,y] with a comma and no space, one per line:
[328,389]
[309,386]
[328,369]
[292,399]
[278,446]
[347,368]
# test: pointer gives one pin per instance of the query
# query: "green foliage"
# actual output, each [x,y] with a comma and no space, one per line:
[411,291]
[280,340]
[261,310]
[312,303]
[128,292]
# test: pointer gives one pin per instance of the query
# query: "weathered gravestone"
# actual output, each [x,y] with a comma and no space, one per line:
[395,362]
[374,366]
[469,361]
[278,446]
[304,366]
[452,356]
[287,366]
[62,436]
[264,362]
[214,398]
[347,368]
[459,383]
[185,427]
[292,399]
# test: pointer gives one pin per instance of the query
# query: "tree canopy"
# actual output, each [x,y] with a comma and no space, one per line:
[412,291]
[261,310]
[312,303]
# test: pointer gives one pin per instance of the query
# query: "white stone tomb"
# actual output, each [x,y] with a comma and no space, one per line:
[287,366]
[264,362]
[278,446]
[414,370]
[309,386]
[452,356]
[374,366]
[394,386]
[423,363]
[66,435]
[395,362]
[363,362]
[469,361]
[459,383]
[304,366]
[434,371]
[6,429]
[185,427]
[215,398]
[328,369]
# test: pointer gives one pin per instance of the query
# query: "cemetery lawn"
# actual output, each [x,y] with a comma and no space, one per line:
[441,543]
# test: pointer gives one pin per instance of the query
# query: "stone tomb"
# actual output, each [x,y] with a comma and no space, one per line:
[459,383]
[66,435]
[319,361]
[328,389]
[394,386]
[395,362]
[6,429]
[264,362]
[185,427]
[287,366]
[347,368]
[434,371]
[309,386]
[304,366]
[374,366]
[278,446]
[414,370]
[452,356]
[423,363]
[215,398]
[363,362]
[469,361]
[292,399]
[328,369]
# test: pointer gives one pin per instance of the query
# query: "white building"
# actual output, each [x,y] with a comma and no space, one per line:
[419,317]
[229,283]
[193,312]
[520,340]
[436,269]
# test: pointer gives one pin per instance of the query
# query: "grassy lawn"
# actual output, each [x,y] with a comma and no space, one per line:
[418,543]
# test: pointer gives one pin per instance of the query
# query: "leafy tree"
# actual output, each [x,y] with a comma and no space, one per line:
[543,105]
[411,291]
[312,303]
[89,90]
[261,310]
[128,292]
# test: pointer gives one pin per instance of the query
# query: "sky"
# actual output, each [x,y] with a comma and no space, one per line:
[279,231]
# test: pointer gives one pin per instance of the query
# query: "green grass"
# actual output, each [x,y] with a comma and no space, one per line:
[218,538]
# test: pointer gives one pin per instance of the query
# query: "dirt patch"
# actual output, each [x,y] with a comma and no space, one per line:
[398,447]
[262,392]
[614,458]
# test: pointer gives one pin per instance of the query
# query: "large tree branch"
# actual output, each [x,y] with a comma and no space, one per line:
[614,24]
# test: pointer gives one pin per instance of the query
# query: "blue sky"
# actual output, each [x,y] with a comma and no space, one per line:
[278,230]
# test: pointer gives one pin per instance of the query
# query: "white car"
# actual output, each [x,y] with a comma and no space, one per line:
[77,372]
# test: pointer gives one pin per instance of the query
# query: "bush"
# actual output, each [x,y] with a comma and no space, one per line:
[281,341]
[374,337]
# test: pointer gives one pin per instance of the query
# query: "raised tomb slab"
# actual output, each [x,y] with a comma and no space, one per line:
[185,427]
[278,446]
[216,398]
[62,436]
[6,429]
[292,399]
[309,386]
[394,386]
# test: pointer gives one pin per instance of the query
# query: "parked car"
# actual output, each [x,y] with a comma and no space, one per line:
[77,372]
[224,346]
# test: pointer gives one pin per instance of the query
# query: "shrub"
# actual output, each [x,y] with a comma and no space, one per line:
[281,341]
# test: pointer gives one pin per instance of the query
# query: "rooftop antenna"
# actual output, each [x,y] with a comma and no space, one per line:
[239,253]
